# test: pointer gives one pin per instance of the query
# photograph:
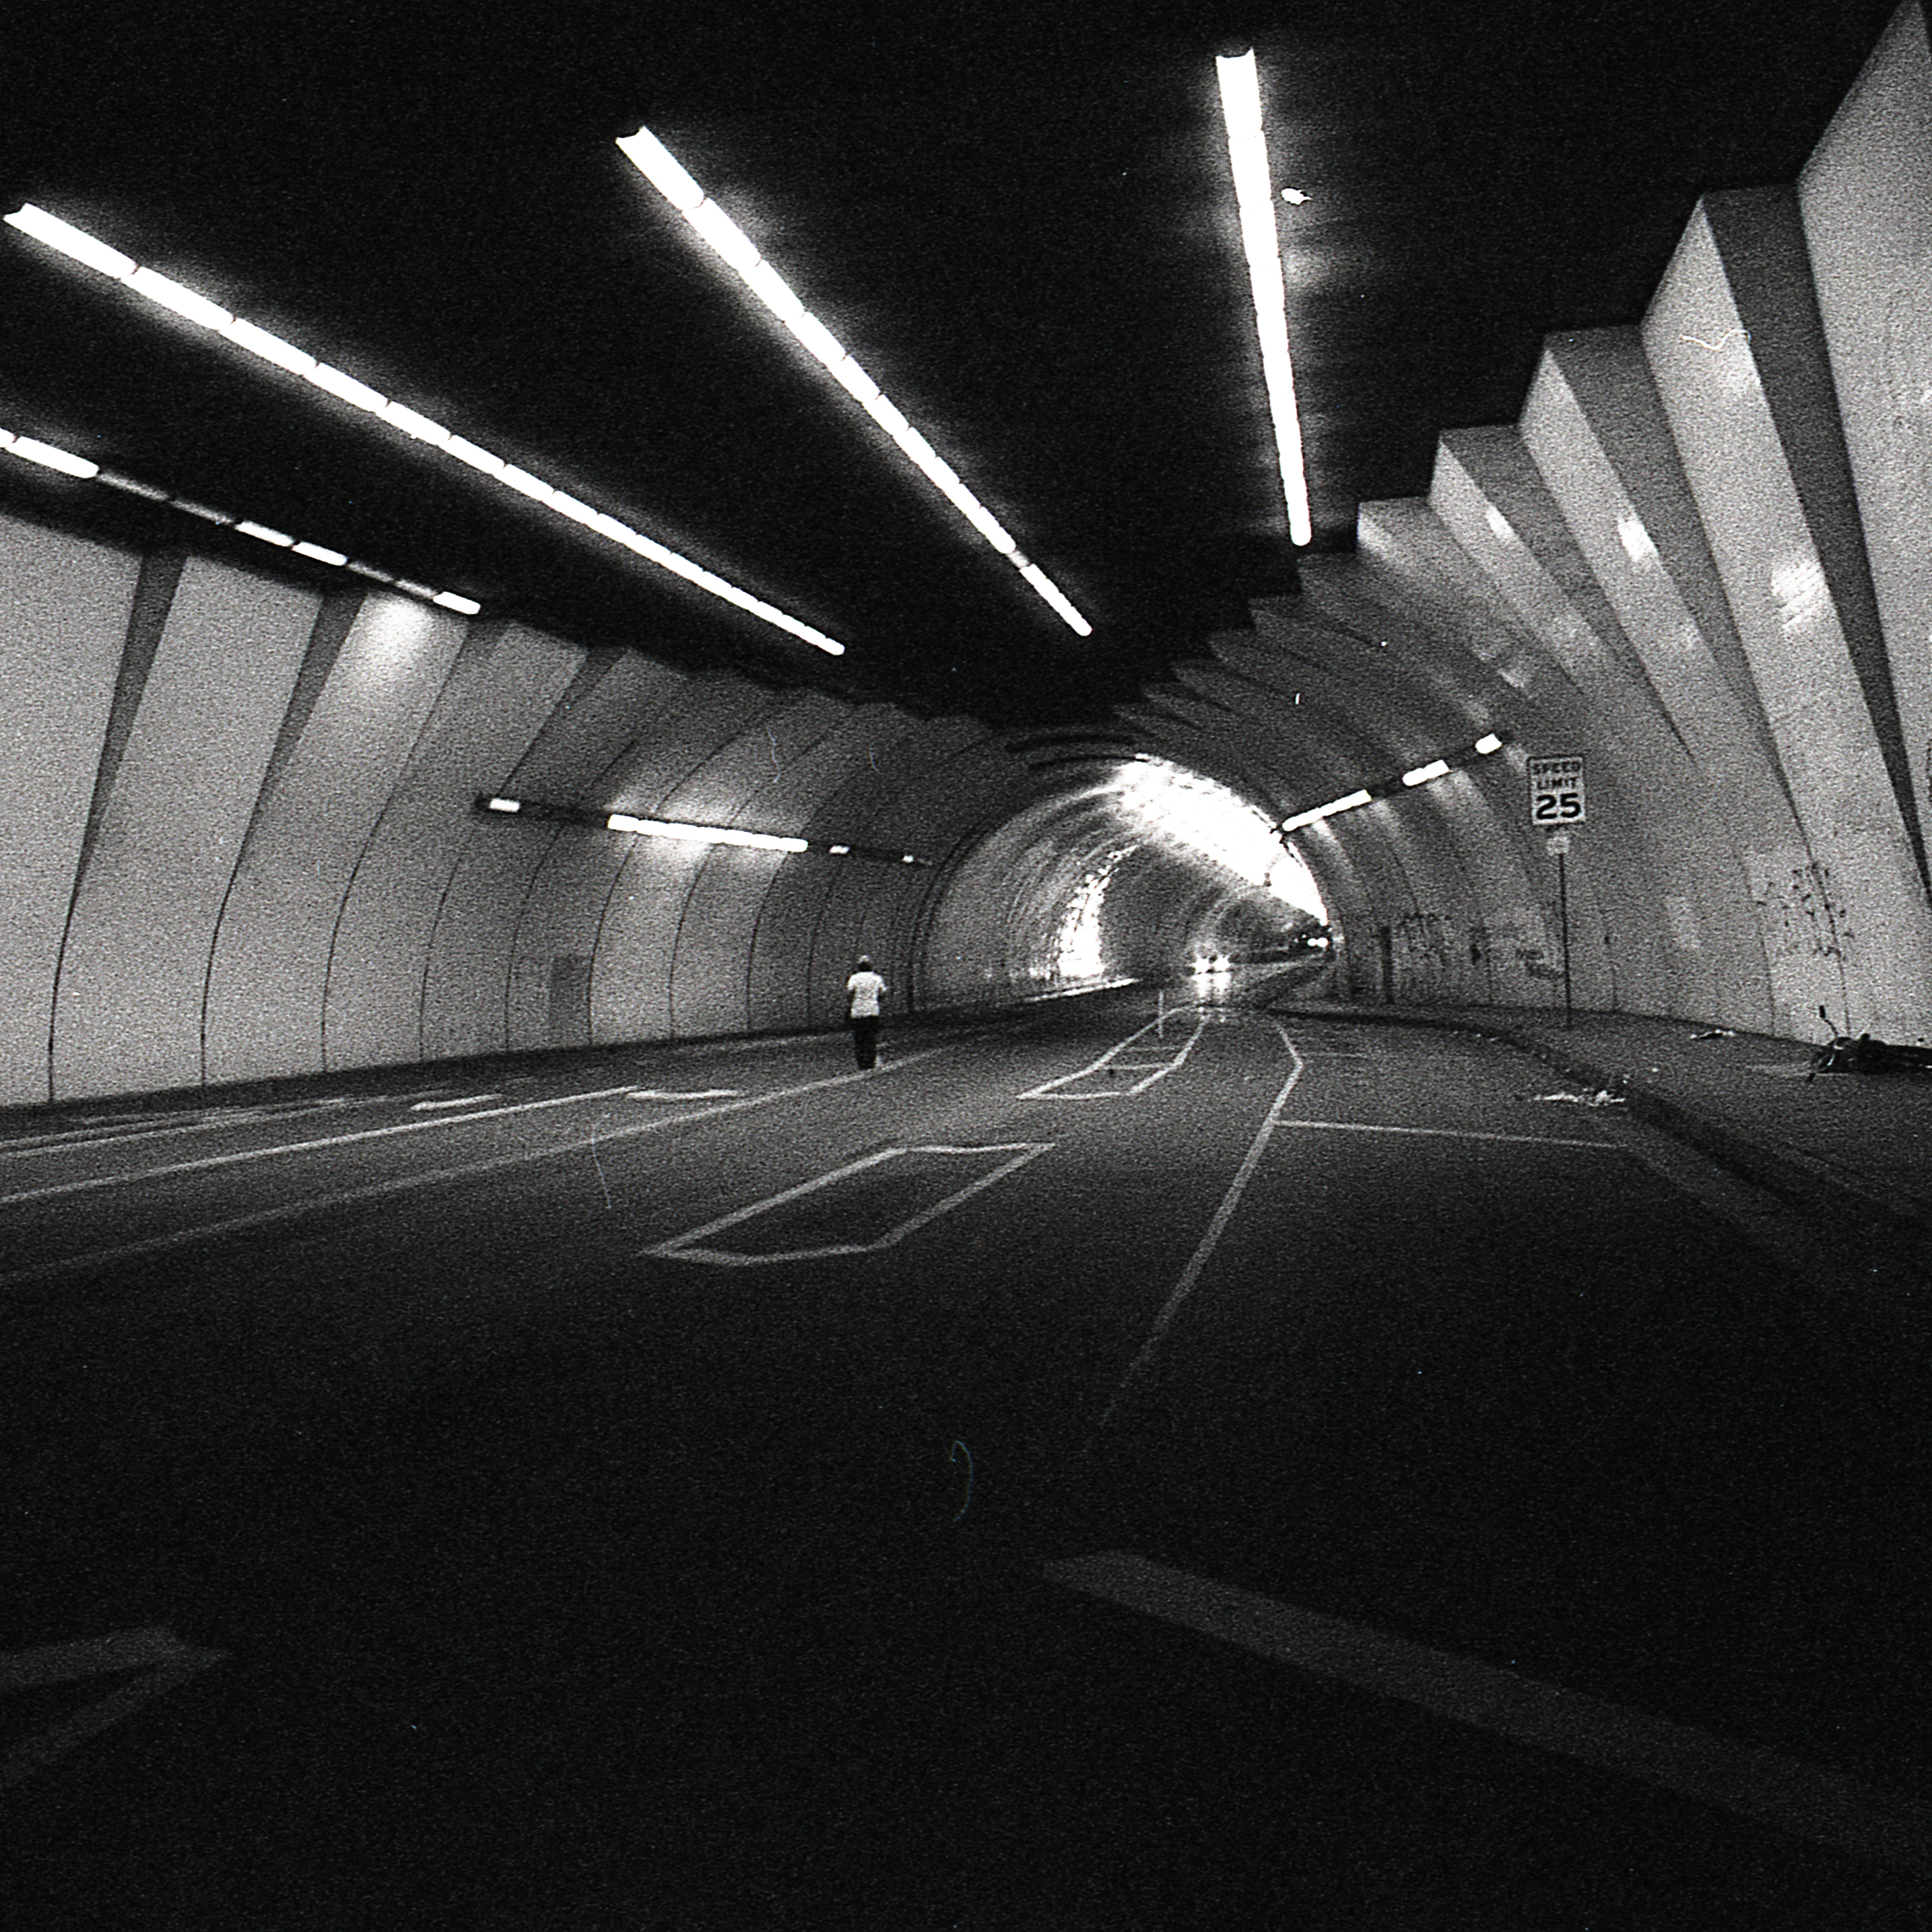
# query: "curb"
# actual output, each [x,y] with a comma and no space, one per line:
[1798,1178]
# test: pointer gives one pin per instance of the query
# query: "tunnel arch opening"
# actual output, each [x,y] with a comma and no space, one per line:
[1130,874]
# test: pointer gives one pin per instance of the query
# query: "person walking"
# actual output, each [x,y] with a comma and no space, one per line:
[863,992]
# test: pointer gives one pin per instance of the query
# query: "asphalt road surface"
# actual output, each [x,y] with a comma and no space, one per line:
[1114,1469]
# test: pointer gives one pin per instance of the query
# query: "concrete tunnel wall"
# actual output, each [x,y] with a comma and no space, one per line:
[1702,556]
[240,838]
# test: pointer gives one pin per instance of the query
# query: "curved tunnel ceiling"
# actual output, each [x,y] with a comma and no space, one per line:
[1017,219]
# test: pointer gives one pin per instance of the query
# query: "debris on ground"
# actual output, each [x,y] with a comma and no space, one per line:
[1716,1033]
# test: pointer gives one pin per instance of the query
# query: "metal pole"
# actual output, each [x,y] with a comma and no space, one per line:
[1563,916]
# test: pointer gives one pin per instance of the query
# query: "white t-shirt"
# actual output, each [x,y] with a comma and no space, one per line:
[863,992]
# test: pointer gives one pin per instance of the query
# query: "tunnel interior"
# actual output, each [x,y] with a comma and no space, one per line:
[249,830]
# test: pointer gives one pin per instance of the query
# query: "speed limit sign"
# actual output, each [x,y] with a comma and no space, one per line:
[1556,790]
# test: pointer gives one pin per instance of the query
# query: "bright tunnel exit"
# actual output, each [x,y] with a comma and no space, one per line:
[1133,875]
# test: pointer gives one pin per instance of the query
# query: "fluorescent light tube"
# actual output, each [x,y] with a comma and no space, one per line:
[772,289]
[522,480]
[270,348]
[506,805]
[1254,194]
[1051,592]
[49,457]
[724,235]
[133,487]
[464,451]
[881,408]
[183,301]
[420,426]
[661,168]
[72,242]
[337,557]
[466,607]
[854,381]
[819,339]
[338,384]
[1436,768]
[1488,743]
[264,534]
[569,506]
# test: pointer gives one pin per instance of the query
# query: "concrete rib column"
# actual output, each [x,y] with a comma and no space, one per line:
[1645,844]
[1732,339]
[171,820]
[1865,199]
[506,680]
[332,773]
[68,603]
[1597,432]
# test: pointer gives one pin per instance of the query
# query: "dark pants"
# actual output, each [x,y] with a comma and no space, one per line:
[865,1040]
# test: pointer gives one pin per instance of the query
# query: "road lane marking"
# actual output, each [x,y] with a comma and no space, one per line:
[467,1100]
[242,1155]
[678,1093]
[1452,1134]
[403,1184]
[1223,1214]
[684,1247]
[1104,1067]
[162,1655]
[1747,1780]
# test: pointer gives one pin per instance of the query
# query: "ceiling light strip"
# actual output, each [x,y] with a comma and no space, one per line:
[667,174]
[80,247]
[1487,746]
[51,457]
[1254,194]
[679,829]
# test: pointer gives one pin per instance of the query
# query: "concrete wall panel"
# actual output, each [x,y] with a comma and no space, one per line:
[813,784]
[128,1016]
[473,964]
[506,680]
[324,797]
[66,604]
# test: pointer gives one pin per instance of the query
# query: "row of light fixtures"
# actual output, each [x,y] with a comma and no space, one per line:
[1486,746]
[1248,159]
[682,831]
[51,456]
[91,252]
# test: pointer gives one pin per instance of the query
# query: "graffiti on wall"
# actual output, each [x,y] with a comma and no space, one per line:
[1801,915]
[1522,942]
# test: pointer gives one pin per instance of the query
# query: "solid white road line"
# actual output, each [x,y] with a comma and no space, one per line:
[403,1184]
[1451,1134]
[1223,1214]
[1747,1780]
[242,1156]
[467,1100]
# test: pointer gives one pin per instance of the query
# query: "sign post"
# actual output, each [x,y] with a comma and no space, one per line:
[1556,801]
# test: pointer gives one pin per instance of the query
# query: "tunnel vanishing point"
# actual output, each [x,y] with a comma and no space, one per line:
[247,830]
